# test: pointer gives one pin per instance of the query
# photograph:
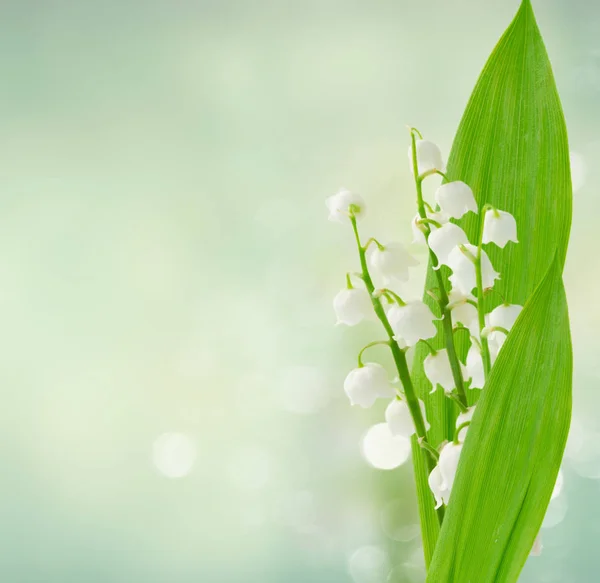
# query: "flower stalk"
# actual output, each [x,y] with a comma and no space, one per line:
[443,296]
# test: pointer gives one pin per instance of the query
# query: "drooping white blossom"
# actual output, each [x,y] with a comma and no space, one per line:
[463,312]
[366,384]
[448,463]
[429,157]
[443,240]
[503,316]
[435,480]
[399,419]
[463,418]
[455,199]
[474,367]
[463,277]
[499,227]
[438,370]
[339,206]
[352,306]
[441,478]
[418,230]
[391,262]
[412,322]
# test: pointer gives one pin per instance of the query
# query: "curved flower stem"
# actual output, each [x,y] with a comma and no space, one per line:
[485,348]
[443,299]
[456,399]
[371,344]
[431,450]
[459,429]
[398,355]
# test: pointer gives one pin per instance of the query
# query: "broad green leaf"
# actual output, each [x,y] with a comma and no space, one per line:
[513,449]
[511,148]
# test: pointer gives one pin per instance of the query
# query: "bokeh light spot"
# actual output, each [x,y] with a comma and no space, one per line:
[369,564]
[173,455]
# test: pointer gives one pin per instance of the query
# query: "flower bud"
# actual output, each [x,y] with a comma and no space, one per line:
[443,240]
[392,262]
[339,206]
[352,306]
[412,322]
[463,277]
[455,199]
[429,157]
[438,370]
[366,384]
[499,227]
[399,419]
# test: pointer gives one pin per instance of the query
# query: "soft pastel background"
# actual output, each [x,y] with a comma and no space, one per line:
[171,376]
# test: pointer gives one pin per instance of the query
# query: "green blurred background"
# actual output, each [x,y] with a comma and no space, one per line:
[172,380]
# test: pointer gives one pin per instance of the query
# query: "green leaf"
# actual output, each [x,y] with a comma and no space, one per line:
[513,449]
[512,149]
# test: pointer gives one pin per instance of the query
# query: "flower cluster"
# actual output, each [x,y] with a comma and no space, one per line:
[408,322]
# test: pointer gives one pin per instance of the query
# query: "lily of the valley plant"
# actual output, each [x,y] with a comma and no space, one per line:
[487,400]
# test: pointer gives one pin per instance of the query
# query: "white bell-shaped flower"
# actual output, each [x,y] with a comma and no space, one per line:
[464,312]
[418,230]
[455,199]
[399,419]
[448,463]
[463,418]
[391,262]
[438,370]
[366,384]
[412,322]
[474,367]
[463,270]
[499,227]
[503,316]
[435,480]
[429,157]
[443,240]
[339,206]
[441,478]
[352,306]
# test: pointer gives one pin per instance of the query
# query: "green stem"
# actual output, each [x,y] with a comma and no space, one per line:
[432,451]
[429,222]
[397,354]
[432,350]
[373,240]
[394,295]
[463,408]
[443,300]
